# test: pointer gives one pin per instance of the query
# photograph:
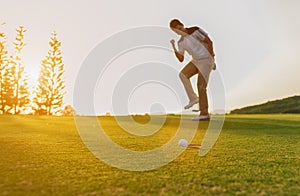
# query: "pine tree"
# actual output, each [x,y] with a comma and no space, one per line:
[6,78]
[50,91]
[3,66]
[21,92]
[8,89]
[14,93]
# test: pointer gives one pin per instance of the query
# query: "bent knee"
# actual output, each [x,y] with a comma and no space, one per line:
[182,75]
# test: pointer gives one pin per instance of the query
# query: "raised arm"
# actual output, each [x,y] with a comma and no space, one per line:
[179,56]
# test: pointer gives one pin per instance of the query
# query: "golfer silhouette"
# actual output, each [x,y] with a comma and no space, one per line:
[196,42]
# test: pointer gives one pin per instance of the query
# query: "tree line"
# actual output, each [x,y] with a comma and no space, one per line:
[47,97]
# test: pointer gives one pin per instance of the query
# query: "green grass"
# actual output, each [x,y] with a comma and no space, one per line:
[254,155]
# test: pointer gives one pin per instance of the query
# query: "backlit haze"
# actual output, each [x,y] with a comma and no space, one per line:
[257,43]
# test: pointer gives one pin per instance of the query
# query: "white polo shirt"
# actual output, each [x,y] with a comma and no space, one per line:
[191,43]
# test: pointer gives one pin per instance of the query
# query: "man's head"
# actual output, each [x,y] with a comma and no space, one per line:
[177,27]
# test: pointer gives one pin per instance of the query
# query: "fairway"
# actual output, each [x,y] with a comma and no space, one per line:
[255,154]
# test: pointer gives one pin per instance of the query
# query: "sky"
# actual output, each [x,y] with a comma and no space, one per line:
[256,44]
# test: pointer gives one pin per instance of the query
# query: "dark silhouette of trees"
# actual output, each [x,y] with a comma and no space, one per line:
[3,66]
[50,90]
[14,87]
[14,91]
[21,92]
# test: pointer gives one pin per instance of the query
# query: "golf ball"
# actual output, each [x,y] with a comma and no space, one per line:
[183,143]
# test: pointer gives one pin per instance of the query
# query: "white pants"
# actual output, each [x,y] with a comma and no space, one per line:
[203,68]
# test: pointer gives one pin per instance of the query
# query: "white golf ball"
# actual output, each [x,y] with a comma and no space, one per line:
[183,143]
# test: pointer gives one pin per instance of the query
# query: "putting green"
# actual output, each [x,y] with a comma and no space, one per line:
[255,154]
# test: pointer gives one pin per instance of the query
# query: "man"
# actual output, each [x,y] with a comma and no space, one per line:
[197,43]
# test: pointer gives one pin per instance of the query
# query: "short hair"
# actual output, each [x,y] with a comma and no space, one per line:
[174,23]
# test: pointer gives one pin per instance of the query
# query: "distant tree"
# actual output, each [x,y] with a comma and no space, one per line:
[8,89]
[50,90]
[3,66]
[68,111]
[14,87]
[21,92]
